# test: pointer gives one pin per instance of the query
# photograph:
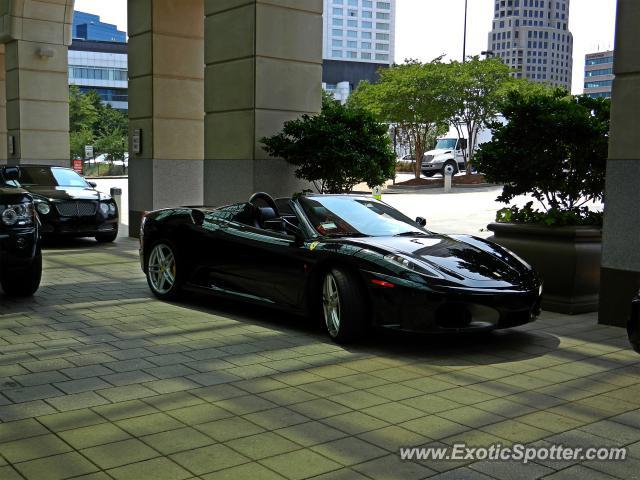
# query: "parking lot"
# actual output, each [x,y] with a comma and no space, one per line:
[100,379]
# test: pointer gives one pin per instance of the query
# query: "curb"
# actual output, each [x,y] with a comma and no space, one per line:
[417,188]
[106,177]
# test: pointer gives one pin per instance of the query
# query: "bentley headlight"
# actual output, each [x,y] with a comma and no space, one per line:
[104,208]
[43,208]
[112,209]
[21,215]
[414,267]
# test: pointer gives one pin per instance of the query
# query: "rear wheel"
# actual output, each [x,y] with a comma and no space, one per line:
[24,282]
[163,272]
[428,174]
[343,306]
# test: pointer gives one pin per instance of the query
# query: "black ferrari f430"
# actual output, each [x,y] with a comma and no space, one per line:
[354,261]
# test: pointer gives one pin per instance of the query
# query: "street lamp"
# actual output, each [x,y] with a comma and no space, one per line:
[488,53]
[464,42]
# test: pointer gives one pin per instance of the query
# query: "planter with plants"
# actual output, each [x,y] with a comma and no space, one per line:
[552,151]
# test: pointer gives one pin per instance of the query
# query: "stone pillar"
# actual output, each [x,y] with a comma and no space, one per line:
[36,36]
[166,104]
[263,67]
[3,110]
[620,274]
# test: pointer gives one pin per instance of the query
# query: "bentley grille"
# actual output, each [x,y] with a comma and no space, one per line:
[77,209]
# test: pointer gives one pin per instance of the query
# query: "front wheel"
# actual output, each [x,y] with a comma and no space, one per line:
[343,306]
[25,281]
[453,164]
[163,271]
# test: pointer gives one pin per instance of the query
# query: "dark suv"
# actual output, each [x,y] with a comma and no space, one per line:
[20,256]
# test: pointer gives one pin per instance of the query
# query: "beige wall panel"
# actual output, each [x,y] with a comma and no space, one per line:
[269,122]
[38,85]
[230,85]
[288,85]
[25,55]
[190,13]
[285,33]
[178,57]
[233,34]
[49,11]
[627,56]
[178,139]
[41,146]
[623,143]
[229,135]
[37,115]
[178,98]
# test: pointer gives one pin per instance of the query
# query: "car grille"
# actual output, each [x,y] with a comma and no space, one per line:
[428,158]
[77,209]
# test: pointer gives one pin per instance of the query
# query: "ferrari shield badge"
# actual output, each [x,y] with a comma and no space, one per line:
[313,246]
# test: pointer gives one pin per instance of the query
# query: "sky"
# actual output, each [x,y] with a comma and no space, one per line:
[426,29]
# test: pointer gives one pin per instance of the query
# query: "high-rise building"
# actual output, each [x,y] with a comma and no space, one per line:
[358,39]
[533,38]
[87,26]
[102,67]
[598,74]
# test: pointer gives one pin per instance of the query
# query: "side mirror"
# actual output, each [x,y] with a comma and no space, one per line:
[93,184]
[463,144]
[421,221]
[10,174]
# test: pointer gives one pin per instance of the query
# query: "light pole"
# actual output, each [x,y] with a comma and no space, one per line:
[464,42]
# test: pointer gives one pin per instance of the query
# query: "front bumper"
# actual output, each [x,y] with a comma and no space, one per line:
[78,226]
[453,311]
[432,167]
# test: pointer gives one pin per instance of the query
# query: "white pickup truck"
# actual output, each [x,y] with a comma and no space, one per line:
[450,151]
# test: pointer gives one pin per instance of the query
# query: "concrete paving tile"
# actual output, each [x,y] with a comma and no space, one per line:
[300,464]
[287,396]
[391,468]
[8,473]
[93,435]
[579,471]
[349,451]
[614,431]
[229,428]
[41,378]
[358,399]
[119,453]
[128,392]
[199,414]
[262,445]
[122,410]
[77,401]
[31,448]
[354,423]
[276,418]
[394,412]
[128,378]
[463,473]
[59,422]
[319,408]
[20,429]
[549,421]
[310,433]
[156,469]
[27,394]
[393,437]
[208,459]
[395,391]
[471,416]
[511,470]
[435,427]
[57,467]
[180,440]
[82,385]
[628,469]
[248,470]
[149,424]
[431,403]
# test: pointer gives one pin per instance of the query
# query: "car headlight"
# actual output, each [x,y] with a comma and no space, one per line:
[104,208]
[21,215]
[43,208]
[412,266]
[112,209]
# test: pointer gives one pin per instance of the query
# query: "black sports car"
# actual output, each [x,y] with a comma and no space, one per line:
[355,261]
[68,205]
[20,256]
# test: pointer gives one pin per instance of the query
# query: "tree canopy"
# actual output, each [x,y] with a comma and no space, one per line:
[93,123]
[336,149]
[554,148]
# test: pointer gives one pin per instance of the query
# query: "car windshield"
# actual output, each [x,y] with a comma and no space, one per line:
[353,216]
[50,177]
[446,144]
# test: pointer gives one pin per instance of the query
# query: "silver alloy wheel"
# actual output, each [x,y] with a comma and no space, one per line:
[162,269]
[331,305]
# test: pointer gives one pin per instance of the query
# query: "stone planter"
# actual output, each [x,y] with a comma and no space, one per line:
[567,259]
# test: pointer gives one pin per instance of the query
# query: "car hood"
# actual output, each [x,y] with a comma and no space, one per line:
[456,256]
[437,152]
[67,193]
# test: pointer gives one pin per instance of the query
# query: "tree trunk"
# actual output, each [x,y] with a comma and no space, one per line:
[419,158]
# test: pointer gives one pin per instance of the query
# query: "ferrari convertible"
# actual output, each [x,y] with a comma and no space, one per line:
[352,261]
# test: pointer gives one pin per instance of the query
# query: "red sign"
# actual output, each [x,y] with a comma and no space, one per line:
[78,165]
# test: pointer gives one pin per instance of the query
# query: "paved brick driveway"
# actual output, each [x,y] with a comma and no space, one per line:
[98,380]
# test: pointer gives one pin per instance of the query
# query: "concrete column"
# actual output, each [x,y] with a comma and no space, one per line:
[36,34]
[263,67]
[3,110]
[620,275]
[166,104]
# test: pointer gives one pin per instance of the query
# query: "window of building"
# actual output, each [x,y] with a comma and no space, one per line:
[382,57]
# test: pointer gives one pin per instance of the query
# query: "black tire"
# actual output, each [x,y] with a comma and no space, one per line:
[107,237]
[352,323]
[175,291]
[453,164]
[428,174]
[26,281]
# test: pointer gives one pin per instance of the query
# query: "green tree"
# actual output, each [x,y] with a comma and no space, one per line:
[336,149]
[475,89]
[554,148]
[413,96]
[84,114]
